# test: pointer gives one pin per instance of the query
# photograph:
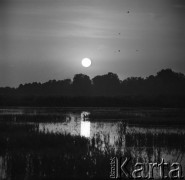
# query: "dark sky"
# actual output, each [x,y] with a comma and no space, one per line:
[47,39]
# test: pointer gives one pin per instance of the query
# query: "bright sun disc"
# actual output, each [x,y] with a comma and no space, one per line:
[86,62]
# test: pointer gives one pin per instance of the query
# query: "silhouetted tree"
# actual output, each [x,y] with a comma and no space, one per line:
[107,84]
[133,86]
[81,85]
[167,87]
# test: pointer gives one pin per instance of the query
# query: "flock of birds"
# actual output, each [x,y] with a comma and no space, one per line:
[120,34]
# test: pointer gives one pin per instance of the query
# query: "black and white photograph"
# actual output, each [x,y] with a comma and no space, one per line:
[92,89]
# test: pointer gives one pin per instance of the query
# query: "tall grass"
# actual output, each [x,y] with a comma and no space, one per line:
[35,155]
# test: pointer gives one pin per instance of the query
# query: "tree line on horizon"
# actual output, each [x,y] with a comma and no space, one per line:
[165,82]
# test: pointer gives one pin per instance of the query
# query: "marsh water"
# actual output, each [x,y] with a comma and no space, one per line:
[46,143]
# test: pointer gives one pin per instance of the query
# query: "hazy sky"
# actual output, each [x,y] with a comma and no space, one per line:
[46,39]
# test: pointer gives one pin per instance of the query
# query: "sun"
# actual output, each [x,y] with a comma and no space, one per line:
[86,62]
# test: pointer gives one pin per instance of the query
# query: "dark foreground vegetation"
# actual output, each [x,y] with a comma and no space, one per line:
[166,89]
[27,153]
[32,155]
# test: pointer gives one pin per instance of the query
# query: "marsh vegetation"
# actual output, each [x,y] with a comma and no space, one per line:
[59,143]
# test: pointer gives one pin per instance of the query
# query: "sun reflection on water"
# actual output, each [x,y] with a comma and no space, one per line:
[85,129]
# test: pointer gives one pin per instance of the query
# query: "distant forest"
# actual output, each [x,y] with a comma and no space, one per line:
[166,89]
